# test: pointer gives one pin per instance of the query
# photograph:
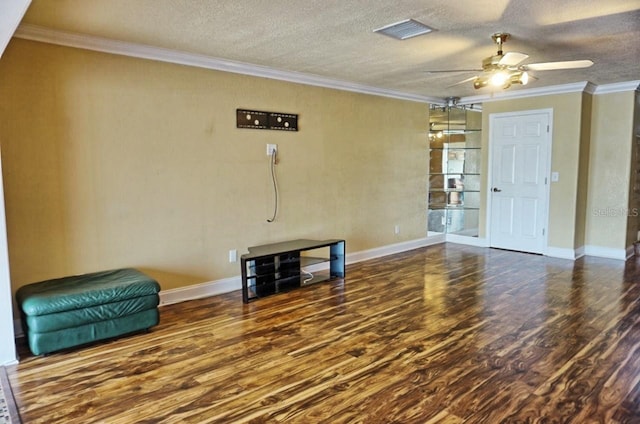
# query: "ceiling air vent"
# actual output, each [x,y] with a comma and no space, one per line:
[404,29]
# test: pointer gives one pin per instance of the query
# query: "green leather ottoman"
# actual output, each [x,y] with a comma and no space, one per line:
[72,311]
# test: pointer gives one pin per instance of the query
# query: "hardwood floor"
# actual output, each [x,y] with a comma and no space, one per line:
[444,334]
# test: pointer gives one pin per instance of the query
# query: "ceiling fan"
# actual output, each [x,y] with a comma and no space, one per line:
[504,69]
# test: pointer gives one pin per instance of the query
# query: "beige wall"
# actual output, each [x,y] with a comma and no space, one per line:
[610,170]
[565,153]
[113,161]
[593,150]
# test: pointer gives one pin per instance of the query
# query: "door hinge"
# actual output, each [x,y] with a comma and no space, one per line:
[547,128]
[545,180]
[543,231]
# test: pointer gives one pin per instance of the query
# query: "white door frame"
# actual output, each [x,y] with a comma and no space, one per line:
[492,117]
[7,335]
[11,13]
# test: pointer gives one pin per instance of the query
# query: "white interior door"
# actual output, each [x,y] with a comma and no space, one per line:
[520,145]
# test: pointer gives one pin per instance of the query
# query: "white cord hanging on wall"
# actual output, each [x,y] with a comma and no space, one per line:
[273,160]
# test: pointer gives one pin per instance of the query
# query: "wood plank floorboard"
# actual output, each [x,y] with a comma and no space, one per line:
[444,334]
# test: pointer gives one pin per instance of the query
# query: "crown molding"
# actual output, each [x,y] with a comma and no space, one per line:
[141,51]
[584,86]
[617,87]
[532,92]
[590,88]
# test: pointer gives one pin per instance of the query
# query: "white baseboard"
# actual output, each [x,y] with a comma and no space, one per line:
[198,291]
[608,252]
[597,251]
[563,253]
[470,241]
[227,285]
[631,251]
[391,249]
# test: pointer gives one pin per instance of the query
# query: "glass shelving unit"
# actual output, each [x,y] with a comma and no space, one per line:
[454,170]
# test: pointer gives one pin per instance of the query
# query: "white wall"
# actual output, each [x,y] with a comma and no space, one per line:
[8,351]
[11,13]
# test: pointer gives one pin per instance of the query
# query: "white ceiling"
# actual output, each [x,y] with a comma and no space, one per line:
[335,39]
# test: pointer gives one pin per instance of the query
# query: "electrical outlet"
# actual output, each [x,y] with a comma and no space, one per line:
[396,229]
[233,255]
[271,148]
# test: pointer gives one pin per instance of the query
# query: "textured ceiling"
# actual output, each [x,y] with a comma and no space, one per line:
[334,38]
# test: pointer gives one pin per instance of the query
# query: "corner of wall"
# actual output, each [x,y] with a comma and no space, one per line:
[582,193]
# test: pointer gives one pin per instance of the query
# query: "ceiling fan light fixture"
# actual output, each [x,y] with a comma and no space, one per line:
[499,79]
[504,69]
[480,83]
[520,77]
[502,79]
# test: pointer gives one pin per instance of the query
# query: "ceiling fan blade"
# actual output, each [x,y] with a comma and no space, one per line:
[550,66]
[452,70]
[463,81]
[512,58]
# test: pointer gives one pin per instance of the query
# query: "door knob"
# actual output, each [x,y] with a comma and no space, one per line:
[496,190]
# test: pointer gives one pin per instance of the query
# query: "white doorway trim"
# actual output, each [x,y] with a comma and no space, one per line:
[7,337]
[547,176]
